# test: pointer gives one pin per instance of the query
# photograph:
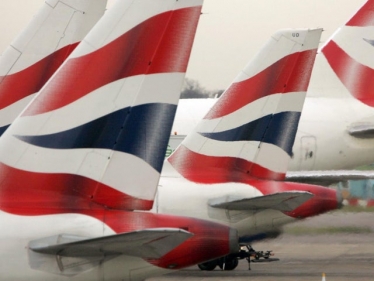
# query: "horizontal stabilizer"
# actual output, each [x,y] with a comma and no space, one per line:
[69,255]
[362,130]
[327,178]
[149,243]
[284,201]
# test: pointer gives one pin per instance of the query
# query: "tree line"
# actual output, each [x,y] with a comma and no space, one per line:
[193,90]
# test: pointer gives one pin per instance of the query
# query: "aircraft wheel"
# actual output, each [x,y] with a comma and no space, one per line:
[231,264]
[209,266]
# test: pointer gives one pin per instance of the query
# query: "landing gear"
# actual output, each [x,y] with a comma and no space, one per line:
[230,262]
[224,263]
[209,266]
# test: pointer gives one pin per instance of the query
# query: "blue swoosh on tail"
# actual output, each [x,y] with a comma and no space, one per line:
[3,129]
[278,129]
[130,130]
[371,42]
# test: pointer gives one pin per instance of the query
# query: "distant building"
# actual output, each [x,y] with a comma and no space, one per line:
[358,192]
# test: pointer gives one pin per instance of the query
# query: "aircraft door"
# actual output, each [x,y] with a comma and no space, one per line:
[308,152]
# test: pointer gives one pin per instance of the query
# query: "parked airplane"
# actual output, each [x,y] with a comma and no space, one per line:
[83,167]
[33,57]
[231,168]
[336,129]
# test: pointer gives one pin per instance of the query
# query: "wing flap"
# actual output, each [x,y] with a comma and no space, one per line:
[284,201]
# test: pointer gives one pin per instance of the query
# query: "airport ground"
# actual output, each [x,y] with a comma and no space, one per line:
[339,244]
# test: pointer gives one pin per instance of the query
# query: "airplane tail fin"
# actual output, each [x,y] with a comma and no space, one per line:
[251,128]
[349,57]
[40,49]
[98,130]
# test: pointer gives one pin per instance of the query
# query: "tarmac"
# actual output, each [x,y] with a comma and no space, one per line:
[341,245]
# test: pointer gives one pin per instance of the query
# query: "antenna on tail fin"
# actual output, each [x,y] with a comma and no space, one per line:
[251,129]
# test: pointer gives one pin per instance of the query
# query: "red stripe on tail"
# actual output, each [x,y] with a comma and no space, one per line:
[30,80]
[146,49]
[200,168]
[29,194]
[290,74]
[357,78]
[364,17]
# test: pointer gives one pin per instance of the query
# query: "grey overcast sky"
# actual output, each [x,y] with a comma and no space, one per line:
[230,32]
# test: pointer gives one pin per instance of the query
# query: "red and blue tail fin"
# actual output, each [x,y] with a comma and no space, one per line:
[97,132]
[349,56]
[41,48]
[251,129]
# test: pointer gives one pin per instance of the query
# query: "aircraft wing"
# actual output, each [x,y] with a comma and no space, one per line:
[327,178]
[283,201]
